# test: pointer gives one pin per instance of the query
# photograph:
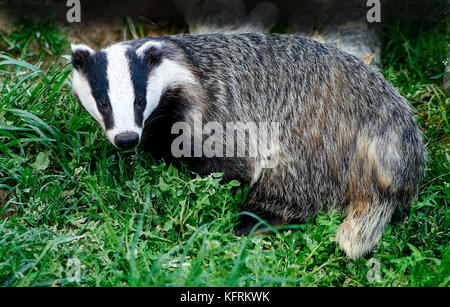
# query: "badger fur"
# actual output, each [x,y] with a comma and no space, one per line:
[348,140]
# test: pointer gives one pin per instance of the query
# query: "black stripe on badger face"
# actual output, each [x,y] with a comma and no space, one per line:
[95,72]
[140,67]
[139,75]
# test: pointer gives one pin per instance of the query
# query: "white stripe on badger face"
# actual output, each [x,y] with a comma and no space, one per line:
[82,88]
[168,74]
[121,92]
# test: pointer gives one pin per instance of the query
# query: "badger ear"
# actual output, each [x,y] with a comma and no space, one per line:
[150,51]
[81,55]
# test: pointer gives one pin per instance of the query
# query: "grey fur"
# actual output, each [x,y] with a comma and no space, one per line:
[348,138]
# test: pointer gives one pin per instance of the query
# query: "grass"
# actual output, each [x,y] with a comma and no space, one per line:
[35,40]
[75,211]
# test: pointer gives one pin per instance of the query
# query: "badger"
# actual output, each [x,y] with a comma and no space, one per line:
[347,140]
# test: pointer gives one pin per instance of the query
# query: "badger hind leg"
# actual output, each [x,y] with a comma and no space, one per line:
[364,226]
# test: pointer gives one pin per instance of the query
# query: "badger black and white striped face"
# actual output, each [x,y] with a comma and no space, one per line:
[120,86]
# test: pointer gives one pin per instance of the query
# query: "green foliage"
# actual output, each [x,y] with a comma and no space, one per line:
[135,30]
[82,213]
[34,39]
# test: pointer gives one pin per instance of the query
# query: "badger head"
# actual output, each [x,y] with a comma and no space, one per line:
[121,85]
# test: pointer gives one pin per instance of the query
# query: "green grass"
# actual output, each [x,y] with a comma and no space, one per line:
[81,213]
[35,40]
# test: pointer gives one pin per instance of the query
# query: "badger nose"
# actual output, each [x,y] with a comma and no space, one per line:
[126,140]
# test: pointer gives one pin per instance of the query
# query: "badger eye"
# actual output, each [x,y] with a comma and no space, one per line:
[103,103]
[140,101]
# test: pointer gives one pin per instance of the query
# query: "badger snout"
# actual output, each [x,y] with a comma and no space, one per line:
[126,140]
